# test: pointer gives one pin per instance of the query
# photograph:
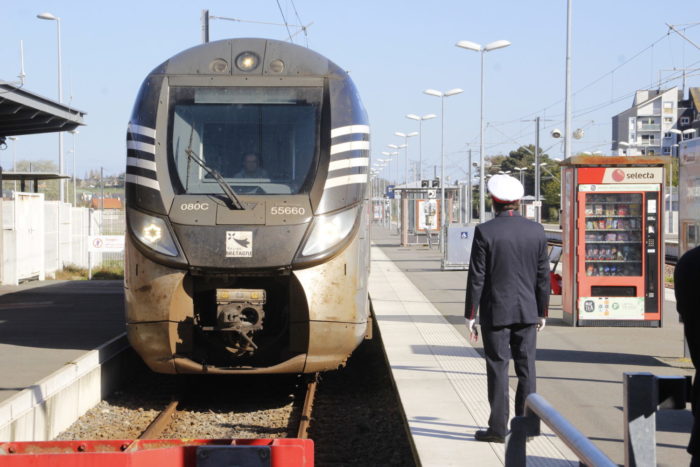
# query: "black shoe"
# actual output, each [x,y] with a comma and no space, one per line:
[489,437]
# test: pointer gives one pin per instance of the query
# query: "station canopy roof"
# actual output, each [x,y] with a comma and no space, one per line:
[32,176]
[26,113]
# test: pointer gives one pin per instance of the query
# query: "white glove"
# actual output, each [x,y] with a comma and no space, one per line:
[473,331]
[540,326]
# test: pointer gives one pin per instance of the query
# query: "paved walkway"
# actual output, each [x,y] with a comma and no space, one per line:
[44,325]
[579,369]
[441,378]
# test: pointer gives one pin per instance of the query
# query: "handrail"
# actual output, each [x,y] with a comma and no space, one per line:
[537,408]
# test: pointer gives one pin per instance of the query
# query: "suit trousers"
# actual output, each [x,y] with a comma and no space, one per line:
[500,344]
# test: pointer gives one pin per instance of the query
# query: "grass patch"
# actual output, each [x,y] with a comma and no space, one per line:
[71,272]
[109,270]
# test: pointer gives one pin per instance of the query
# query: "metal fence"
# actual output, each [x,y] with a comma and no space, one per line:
[39,238]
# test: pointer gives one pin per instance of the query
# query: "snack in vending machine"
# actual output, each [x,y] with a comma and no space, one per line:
[607,270]
[613,270]
[589,210]
[601,271]
[590,270]
[598,209]
[601,224]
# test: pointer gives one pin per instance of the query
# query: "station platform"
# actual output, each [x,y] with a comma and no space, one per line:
[441,377]
[44,325]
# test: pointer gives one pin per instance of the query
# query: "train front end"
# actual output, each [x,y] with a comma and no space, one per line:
[247,238]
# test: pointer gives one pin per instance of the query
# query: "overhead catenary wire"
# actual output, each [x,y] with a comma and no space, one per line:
[286,24]
[558,118]
[303,28]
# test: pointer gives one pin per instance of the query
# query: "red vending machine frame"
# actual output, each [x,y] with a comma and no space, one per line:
[613,244]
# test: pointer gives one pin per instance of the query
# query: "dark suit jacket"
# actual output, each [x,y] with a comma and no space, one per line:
[508,279]
[686,278]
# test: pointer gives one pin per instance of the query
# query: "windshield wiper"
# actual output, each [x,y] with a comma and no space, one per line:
[228,191]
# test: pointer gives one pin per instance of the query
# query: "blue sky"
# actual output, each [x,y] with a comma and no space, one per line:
[393,50]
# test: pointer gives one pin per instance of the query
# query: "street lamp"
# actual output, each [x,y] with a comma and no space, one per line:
[396,167]
[520,170]
[442,96]
[478,48]
[420,139]
[404,146]
[75,196]
[61,182]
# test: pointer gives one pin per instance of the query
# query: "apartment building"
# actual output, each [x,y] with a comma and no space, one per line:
[651,125]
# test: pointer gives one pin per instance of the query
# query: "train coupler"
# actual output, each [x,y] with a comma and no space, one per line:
[239,314]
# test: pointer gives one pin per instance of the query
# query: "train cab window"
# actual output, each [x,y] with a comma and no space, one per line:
[262,140]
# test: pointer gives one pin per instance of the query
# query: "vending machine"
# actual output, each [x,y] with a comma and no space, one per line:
[612,237]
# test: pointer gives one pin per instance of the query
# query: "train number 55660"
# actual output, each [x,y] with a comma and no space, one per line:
[287,211]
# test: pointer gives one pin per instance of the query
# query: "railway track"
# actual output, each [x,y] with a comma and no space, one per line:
[166,417]
[554,238]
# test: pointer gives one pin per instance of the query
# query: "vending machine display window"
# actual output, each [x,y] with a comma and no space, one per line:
[613,234]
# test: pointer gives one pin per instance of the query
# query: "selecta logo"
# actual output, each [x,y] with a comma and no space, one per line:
[618,175]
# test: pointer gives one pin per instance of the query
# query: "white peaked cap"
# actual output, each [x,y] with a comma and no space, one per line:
[505,189]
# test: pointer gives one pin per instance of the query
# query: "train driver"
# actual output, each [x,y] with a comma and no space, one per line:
[251,167]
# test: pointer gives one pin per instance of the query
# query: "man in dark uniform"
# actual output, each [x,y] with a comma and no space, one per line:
[686,278]
[508,285]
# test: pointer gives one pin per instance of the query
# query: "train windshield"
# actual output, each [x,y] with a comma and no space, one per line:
[262,140]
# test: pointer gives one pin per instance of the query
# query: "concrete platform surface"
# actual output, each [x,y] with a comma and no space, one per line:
[579,370]
[440,378]
[44,325]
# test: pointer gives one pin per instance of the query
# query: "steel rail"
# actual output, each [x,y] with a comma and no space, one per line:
[554,238]
[161,422]
[305,421]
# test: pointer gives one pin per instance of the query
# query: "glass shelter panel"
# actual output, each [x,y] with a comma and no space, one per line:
[614,234]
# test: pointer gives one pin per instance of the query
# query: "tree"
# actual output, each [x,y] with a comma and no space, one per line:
[550,183]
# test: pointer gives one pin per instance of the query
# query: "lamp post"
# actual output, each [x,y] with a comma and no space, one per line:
[61,182]
[478,48]
[538,208]
[442,96]
[75,196]
[420,139]
[520,170]
[14,155]
[390,154]
[405,137]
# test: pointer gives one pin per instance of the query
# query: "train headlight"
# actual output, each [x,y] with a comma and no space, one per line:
[247,61]
[153,232]
[329,230]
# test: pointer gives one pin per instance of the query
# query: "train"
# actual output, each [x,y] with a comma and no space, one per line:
[247,246]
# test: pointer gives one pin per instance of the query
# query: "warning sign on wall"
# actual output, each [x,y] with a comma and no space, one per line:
[105,243]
